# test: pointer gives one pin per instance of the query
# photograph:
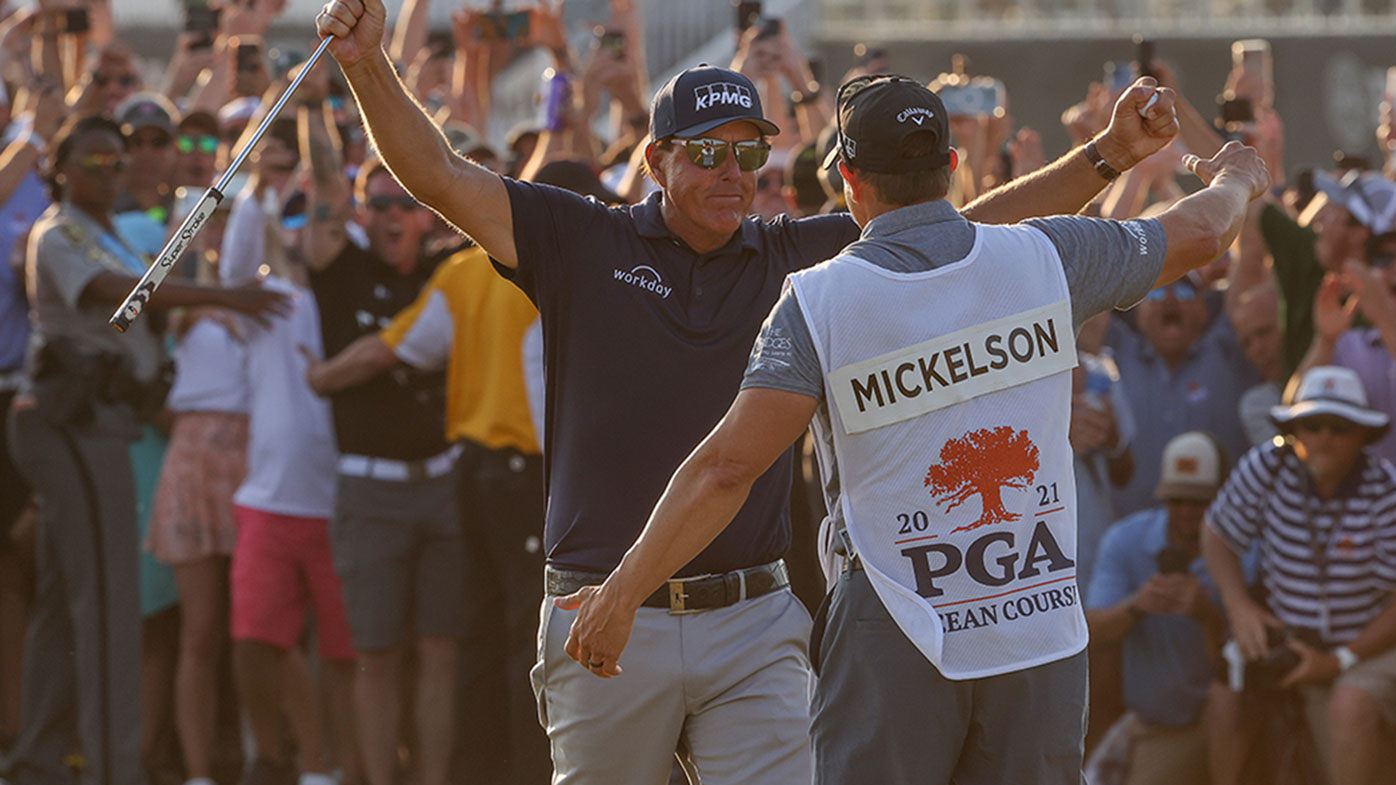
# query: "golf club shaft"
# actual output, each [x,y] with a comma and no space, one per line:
[174,249]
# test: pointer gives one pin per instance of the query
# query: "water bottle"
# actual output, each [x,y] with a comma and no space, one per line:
[557,98]
[1097,390]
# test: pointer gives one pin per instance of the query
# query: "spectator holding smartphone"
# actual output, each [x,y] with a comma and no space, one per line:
[1149,592]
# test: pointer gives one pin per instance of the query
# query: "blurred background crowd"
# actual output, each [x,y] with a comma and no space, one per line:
[126,114]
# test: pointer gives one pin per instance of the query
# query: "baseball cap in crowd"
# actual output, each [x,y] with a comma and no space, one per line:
[1336,391]
[702,98]
[877,114]
[1368,196]
[1192,468]
[146,110]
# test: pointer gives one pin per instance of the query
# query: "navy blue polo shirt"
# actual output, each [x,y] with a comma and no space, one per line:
[645,343]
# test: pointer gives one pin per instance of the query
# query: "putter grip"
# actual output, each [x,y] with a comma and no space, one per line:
[173,250]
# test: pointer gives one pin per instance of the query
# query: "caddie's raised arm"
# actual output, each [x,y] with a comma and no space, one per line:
[471,197]
[1203,225]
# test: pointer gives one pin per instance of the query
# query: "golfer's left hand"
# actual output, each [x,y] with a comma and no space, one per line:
[600,631]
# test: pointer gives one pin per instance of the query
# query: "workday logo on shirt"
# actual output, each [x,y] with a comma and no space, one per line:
[644,277]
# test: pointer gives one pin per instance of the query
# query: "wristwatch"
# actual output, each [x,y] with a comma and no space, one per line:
[1098,161]
[1346,658]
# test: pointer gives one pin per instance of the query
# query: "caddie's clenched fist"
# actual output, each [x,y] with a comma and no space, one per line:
[358,24]
[1233,161]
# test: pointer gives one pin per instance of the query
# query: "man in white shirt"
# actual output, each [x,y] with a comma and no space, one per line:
[283,563]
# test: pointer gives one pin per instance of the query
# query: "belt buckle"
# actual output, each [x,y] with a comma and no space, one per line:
[678,596]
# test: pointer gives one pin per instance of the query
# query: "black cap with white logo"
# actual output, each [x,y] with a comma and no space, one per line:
[876,119]
[702,98]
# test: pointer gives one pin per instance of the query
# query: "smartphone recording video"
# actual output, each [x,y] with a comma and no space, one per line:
[748,14]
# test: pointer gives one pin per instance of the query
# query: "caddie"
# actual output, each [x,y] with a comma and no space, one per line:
[932,358]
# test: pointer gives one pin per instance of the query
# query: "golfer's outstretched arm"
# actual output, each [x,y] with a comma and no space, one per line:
[471,197]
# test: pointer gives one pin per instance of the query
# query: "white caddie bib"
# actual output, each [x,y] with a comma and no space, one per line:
[949,395]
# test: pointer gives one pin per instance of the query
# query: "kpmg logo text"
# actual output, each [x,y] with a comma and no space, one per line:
[710,95]
[645,277]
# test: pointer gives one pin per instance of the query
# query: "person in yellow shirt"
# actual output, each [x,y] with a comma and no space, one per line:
[473,322]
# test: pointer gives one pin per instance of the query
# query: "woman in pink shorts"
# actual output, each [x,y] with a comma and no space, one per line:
[192,527]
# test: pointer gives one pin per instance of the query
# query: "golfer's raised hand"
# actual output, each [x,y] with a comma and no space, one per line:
[358,24]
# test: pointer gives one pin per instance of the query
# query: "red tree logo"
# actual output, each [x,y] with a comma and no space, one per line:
[982,463]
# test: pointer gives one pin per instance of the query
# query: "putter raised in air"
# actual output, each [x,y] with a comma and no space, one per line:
[175,247]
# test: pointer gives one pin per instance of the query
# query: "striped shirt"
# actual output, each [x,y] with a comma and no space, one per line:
[1329,565]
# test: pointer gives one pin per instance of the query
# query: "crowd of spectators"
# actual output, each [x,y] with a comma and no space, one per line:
[307,489]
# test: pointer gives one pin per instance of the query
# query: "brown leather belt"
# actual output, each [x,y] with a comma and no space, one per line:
[687,595]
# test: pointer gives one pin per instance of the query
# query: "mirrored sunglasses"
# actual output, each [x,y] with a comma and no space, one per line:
[710,153]
[204,143]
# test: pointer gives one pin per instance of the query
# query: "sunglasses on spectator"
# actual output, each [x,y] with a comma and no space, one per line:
[155,142]
[125,80]
[710,153]
[1335,425]
[188,143]
[383,204]
[98,162]
[1182,291]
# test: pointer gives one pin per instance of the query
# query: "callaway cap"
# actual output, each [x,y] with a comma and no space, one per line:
[878,116]
[702,98]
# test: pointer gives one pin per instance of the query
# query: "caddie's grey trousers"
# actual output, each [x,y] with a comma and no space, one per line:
[884,714]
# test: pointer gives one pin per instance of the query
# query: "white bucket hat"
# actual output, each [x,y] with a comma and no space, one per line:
[1330,389]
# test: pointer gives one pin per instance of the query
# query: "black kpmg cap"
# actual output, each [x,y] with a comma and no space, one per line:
[876,120]
[702,98]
